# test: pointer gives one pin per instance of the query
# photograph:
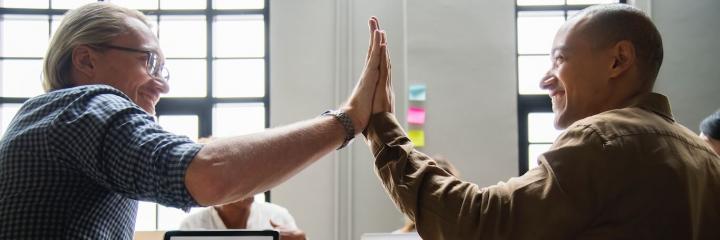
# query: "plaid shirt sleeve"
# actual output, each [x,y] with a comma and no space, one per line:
[120,147]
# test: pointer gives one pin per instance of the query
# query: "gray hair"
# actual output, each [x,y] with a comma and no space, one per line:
[93,23]
[608,24]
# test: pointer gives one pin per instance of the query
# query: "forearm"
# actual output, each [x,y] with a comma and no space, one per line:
[442,206]
[233,168]
[404,172]
[445,207]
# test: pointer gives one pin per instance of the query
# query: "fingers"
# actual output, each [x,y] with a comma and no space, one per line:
[373,25]
[385,56]
[383,59]
[383,38]
[383,95]
[375,51]
[388,69]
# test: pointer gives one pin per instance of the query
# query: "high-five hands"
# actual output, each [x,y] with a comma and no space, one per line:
[360,105]
[384,99]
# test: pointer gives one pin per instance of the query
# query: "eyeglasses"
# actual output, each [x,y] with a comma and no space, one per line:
[153,66]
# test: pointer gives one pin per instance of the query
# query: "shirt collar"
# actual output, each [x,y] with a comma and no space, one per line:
[654,102]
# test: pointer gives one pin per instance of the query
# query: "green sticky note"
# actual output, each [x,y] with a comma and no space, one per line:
[417,137]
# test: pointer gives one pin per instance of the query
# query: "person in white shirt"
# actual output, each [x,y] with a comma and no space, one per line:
[245,214]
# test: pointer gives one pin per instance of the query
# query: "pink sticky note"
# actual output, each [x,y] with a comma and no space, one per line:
[416,115]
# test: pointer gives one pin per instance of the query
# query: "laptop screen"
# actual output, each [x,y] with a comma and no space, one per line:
[222,235]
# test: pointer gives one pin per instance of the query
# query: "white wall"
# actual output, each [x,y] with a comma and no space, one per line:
[302,60]
[464,50]
[690,74]
[317,51]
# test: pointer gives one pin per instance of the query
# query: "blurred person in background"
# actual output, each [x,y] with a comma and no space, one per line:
[710,131]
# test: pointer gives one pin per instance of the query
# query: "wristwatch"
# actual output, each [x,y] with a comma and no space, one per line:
[346,122]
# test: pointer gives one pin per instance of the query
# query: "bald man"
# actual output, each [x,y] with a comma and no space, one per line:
[622,169]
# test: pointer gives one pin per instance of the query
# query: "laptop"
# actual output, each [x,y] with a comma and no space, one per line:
[223,235]
[391,236]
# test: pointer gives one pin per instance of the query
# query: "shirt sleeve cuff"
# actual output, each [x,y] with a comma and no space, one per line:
[184,200]
[384,130]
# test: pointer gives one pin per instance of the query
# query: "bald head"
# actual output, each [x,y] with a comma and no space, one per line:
[606,24]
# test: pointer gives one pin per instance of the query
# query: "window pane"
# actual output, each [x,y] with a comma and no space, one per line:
[186,125]
[69,4]
[54,24]
[18,41]
[571,14]
[188,78]
[21,78]
[136,4]
[534,151]
[530,70]
[239,36]
[541,128]
[145,220]
[24,3]
[539,2]
[536,31]
[232,119]
[589,2]
[239,78]
[260,197]
[183,4]
[235,4]
[7,113]
[183,36]
[170,218]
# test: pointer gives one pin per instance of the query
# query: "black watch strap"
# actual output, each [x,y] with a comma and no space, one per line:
[346,122]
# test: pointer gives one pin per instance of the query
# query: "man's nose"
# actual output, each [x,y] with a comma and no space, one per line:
[161,85]
[547,80]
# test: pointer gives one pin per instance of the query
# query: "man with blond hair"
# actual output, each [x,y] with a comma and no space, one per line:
[74,161]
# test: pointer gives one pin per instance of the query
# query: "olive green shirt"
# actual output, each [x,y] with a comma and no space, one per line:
[630,173]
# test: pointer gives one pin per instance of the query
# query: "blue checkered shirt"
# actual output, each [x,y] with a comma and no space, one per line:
[74,162]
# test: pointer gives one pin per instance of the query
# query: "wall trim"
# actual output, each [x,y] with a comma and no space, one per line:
[343,86]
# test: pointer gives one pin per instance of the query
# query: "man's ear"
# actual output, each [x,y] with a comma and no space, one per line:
[624,57]
[83,61]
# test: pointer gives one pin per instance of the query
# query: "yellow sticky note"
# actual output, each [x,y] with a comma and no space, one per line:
[417,137]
